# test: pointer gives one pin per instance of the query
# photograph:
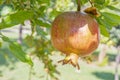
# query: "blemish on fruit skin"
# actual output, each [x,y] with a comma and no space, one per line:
[83,23]
[56,33]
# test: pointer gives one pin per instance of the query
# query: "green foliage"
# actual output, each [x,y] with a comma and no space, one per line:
[115,37]
[17,51]
[104,31]
[104,62]
[0,44]
[6,9]
[83,1]
[41,32]
[113,8]
[99,1]
[111,18]
[42,23]
[41,47]
[15,19]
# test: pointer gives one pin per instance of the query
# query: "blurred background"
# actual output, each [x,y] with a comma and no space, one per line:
[25,31]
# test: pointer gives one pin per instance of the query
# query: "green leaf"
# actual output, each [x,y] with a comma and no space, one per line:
[17,51]
[41,11]
[42,23]
[54,13]
[83,1]
[107,2]
[29,40]
[42,8]
[103,31]
[107,21]
[1,1]
[115,2]
[99,1]
[15,19]
[112,19]
[44,1]
[4,38]
[103,21]
[103,27]
[113,8]
[0,44]
[104,61]
[41,32]
[6,9]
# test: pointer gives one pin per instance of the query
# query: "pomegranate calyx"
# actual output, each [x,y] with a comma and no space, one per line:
[71,59]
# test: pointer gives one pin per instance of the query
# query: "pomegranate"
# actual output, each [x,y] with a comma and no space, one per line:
[75,34]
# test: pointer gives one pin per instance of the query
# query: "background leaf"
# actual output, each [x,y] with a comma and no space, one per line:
[41,32]
[103,31]
[113,8]
[15,19]
[42,23]
[111,18]
[17,51]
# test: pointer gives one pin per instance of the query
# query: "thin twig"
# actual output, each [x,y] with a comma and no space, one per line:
[20,34]
[117,64]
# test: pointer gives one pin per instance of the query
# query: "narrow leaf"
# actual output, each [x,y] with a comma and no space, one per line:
[43,1]
[99,1]
[0,44]
[83,1]
[113,8]
[112,19]
[42,23]
[15,19]
[41,32]
[103,27]
[107,2]
[103,31]
[54,13]
[104,22]
[17,51]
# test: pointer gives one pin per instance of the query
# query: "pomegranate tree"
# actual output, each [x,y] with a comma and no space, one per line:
[75,34]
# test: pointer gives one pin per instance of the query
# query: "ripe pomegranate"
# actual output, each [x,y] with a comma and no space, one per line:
[75,34]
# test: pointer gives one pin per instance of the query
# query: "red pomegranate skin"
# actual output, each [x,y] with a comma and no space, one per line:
[76,33]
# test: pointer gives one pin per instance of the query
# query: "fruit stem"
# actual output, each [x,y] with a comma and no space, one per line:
[91,2]
[78,5]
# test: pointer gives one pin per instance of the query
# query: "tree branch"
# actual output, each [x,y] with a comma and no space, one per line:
[117,64]
[20,34]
